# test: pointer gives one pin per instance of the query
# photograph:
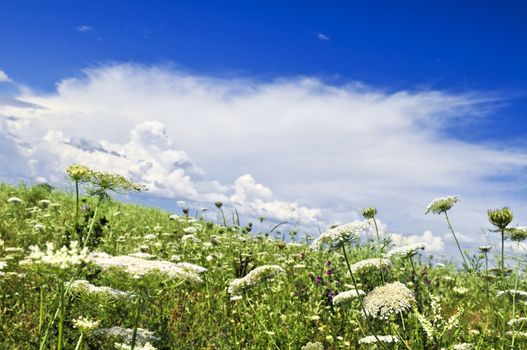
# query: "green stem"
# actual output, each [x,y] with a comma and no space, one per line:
[457,242]
[136,324]
[77,205]
[502,256]
[518,265]
[370,326]
[86,240]
[41,311]
[380,248]
[78,346]
[61,318]
[416,284]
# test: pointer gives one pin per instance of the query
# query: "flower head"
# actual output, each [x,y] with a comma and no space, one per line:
[313,346]
[389,299]
[367,264]
[369,212]
[441,205]
[518,234]
[346,296]
[485,248]
[371,339]
[78,173]
[85,325]
[406,251]
[254,277]
[500,217]
[340,234]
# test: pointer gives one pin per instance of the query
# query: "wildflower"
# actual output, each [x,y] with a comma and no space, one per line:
[500,217]
[191,267]
[254,277]
[78,172]
[62,258]
[190,237]
[367,264]
[190,230]
[518,234]
[44,202]
[313,346]
[143,335]
[369,213]
[441,205]
[140,267]
[85,325]
[463,346]
[143,255]
[519,293]
[388,299]
[145,346]
[347,296]
[236,297]
[460,290]
[39,227]
[485,248]
[14,200]
[149,237]
[371,339]
[340,234]
[83,287]
[517,334]
[406,251]
[514,321]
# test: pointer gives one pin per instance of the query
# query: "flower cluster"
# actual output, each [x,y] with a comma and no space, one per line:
[406,251]
[62,258]
[254,277]
[518,293]
[85,325]
[441,205]
[313,346]
[340,234]
[347,296]
[369,263]
[145,346]
[83,287]
[143,336]
[371,339]
[140,267]
[384,301]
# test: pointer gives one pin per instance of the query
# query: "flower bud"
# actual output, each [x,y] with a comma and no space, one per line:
[500,217]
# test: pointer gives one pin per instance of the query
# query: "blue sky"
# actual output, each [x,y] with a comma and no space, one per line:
[250,102]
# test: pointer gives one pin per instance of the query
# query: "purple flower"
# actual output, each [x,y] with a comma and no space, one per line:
[85,207]
[331,295]
[328,263]
[318,280]
[329,272]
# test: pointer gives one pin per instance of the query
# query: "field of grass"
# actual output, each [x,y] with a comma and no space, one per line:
[94,273]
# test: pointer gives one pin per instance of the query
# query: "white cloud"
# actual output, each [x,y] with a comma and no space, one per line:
[316,145]
[4,78]
[85,28]
[434,243]
[323,37]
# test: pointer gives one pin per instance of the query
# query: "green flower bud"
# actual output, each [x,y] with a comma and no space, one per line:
[518,234]
[500,217]
[369,213]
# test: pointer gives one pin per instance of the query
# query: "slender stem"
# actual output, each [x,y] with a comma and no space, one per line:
[487,273]
[416,284]
[518,265]
[380,248]
[457,242]
[370,326]
[502,256]
[78,346]
[41,311]
[61,318]
[77,205]
[136,323]
[92,222]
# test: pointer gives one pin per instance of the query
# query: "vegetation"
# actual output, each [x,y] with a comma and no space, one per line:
[84,271]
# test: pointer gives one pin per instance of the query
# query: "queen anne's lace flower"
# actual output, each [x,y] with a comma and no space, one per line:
[370,339]
[145,346]
[340,234]
[519,293]
[463,346]
[405,251]
[313,346]
[140,267]
[347,296]
[384,301]
[440,205]
[516,321]
[85,325]
[83,287]
[62,258]
[142,337]
[369,263]
[254,277]
[14,200]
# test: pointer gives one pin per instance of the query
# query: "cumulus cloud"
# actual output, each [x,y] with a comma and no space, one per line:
[325,150]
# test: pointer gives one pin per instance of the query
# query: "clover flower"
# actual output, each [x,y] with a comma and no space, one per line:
[441,205]
[85,325]
[313,346]
[406,251]
[340,234]
[83,287]
[346,296]
[254,277]
[370,339]
[140,267]
[62,258]
[368,264]
[389,299]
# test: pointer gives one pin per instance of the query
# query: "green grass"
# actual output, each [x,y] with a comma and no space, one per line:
[284,312]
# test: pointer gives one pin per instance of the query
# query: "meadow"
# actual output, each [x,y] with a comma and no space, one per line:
[81,270]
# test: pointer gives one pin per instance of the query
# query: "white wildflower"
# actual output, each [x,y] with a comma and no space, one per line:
[150,237]
[44,202]
[191,267]
[140,267]
[347,296]
[62,258]
[389,299]
[515,321]
[369,263]
[370,339]
[440,205]
[463,346]
[145,346]
[254,277]
[14,200]
[83,287]
[39,227]
[313,346]
[142,255]
[460,290]
[519,293]
[190,230]
[85,325]
[190,237]
[340,234]
[405,251]
[143,335]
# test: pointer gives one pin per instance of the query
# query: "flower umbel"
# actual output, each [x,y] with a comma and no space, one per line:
[440,205]
[389,299]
